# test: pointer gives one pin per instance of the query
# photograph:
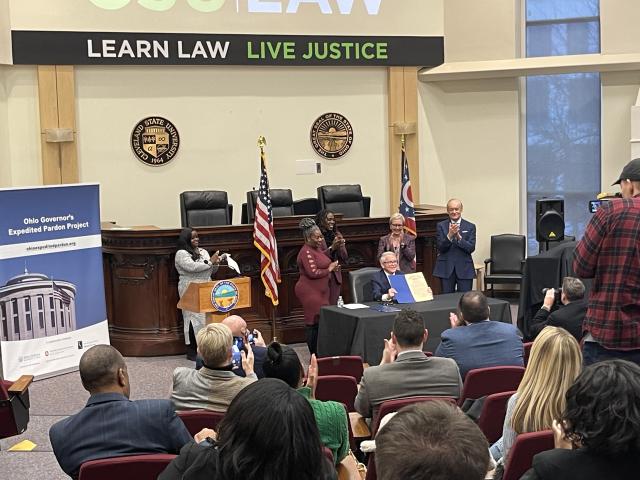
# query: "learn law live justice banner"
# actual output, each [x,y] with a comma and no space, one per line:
[52,305]
[223,32]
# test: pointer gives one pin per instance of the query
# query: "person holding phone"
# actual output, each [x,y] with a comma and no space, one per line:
[334,247]
[193,265]
[312,289]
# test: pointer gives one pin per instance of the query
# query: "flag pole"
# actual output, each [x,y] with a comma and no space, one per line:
[262,142]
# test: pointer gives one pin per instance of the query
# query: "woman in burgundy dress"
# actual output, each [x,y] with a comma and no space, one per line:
[312,289]
[334,247]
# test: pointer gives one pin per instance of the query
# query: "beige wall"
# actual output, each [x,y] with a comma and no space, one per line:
[481,30]
[19,139]
[219,113]
[619,31]
[619,92]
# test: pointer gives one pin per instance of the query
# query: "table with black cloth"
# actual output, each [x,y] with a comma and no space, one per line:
[362,331]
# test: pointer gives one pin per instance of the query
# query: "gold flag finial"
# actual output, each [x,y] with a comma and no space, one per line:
[262,142]
[403,141]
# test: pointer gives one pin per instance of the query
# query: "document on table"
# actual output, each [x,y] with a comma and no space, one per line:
[355,306]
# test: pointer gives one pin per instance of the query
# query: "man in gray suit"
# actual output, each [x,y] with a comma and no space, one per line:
[111,425]
[405,371]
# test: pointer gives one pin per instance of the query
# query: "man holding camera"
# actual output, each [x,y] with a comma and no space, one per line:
[609,253]
[569,315]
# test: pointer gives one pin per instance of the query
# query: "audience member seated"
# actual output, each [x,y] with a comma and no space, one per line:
[598,435]
[214,386]
[269,433]
[380,285]
[554,364]
[405,371]
[399,242]
[474,341]
[431,441]
[569,315]
[283,363]
[111,425]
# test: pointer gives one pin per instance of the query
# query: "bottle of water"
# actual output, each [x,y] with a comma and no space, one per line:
[340,302]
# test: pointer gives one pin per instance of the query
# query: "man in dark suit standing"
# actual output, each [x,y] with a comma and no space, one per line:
[380,285]
[111,425]
[569,315]
[456,239]
[474,341]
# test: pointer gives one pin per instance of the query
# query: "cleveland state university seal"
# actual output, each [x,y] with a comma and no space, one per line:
[331,135]
[155,141]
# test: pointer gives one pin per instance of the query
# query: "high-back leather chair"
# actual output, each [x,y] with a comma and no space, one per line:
[360,284]
[205,208]
[507,260]
[345,199]
[281,203]
[14,406]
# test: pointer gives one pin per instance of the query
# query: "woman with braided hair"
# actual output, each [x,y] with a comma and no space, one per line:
[312,288]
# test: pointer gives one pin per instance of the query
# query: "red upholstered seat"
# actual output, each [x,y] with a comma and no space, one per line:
[339,388]
[140,467]
[527,352]
[196,420]
[491,419]
[526,446]
[391,406]
[481,382]
[344,365]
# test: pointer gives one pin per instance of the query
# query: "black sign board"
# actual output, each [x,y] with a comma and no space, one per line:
[103,48]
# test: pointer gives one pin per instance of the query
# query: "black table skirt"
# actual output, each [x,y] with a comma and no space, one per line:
[362,332]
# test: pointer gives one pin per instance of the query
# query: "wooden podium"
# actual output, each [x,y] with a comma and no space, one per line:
[197,298]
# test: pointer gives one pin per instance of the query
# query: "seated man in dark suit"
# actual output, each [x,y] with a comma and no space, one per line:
[381,288]
[405,371]
[111,425]
[569,315]
[474,341]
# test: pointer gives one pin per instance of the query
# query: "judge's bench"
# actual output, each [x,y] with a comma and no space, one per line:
[141,282]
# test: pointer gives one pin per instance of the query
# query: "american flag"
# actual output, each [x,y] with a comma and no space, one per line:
[264,238]
[406,197]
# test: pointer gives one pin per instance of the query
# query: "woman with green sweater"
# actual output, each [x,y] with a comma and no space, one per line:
[282,362]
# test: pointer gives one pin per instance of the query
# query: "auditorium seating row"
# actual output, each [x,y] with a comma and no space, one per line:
[211,207]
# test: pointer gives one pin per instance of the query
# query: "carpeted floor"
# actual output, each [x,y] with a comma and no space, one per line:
[55,398]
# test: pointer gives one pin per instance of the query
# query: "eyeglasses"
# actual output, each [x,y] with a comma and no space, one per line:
[390,261]
[396,225]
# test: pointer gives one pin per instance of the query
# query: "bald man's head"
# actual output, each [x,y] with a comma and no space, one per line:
[102,369]
[236,324]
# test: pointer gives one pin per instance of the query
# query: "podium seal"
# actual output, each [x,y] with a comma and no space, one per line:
[224,296]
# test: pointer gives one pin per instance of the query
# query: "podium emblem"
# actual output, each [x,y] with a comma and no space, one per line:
[224,296]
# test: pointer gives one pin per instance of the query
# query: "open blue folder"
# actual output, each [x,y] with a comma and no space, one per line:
[404,295]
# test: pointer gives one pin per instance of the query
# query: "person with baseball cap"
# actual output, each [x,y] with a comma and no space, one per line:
[609,252]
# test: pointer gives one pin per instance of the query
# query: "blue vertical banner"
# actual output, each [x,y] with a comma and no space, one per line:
[52,305]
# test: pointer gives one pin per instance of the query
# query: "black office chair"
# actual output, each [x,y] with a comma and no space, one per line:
[360,284]
[205,208]
[281,203]
[306,206]
[345,199]
[507,260]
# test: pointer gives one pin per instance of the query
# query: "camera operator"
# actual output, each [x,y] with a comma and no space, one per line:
[609,253]
[569,315]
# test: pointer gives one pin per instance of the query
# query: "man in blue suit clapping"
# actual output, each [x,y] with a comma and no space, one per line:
[456,242]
